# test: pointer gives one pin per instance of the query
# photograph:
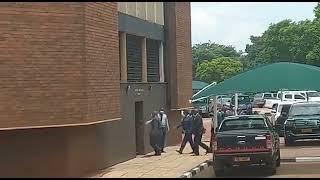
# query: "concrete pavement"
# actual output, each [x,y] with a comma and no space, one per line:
[169,164]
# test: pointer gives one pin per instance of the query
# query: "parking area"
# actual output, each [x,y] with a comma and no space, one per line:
[302,159]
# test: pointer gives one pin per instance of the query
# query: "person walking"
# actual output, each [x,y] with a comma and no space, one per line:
[186,124]
[198,131]
[155,133]
[164,128]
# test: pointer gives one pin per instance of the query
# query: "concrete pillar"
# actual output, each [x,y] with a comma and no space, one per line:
[215,113]
[123,56]
[144,60]
[161,65]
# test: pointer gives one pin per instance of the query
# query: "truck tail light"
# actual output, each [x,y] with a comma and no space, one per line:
[269,141]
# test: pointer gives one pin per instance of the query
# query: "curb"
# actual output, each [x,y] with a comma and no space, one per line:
[197,169]
[302,159]
[209,163]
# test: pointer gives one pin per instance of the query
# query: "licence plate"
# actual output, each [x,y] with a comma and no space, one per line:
[240,159]
[306,130]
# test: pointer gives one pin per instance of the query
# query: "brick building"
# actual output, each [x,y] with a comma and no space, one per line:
[79,79]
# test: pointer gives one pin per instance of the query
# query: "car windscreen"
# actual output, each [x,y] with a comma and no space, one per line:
[243,124]
[305,110]
[313,94]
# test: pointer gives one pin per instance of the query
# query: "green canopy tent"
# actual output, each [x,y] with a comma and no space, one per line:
[272,77]
[199,85]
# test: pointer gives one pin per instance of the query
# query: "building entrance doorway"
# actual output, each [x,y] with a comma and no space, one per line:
[139,124]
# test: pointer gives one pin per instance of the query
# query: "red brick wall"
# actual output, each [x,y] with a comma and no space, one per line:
[102,60]
[178,53]
[184,56]
[57,63]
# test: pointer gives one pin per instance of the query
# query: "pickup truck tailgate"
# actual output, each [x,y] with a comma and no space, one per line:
[240,140]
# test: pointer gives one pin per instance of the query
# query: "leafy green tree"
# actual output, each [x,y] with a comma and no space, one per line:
[286,41]
[218,69]
[208,51]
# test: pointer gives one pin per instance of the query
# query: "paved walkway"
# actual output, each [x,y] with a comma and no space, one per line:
[169,164]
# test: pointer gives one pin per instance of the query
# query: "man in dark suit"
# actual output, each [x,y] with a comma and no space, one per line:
[198,130]
[186,124]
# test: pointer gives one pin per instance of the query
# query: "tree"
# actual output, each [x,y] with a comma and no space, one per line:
[286,41]
[218,69]
[209,51]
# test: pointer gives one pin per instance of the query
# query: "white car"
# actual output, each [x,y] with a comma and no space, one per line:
[296,96]
[313,95]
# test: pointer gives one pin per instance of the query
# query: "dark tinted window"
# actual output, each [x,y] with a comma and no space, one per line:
[242,124]
[297,96]
[288,96]
[305,109]
[267,96]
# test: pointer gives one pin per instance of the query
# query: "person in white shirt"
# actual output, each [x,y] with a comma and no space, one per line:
[164,128]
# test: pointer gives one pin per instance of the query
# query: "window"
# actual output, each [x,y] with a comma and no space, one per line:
[153,61]
[134,58]
[298,96]
[288,96]
[249,123]
[267,96]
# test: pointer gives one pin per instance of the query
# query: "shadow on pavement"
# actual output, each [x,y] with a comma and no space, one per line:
[304,143]
[245,172]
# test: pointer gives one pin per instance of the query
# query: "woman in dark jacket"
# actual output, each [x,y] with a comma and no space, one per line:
[155,133]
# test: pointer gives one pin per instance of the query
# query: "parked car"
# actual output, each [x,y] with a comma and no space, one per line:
[223,101]
[303,122]
[246,141]
[313,96]
[244,104]
[261,100]
[297,96]
[203,105]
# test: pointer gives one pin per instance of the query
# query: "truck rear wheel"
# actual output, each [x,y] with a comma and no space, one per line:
[272,168]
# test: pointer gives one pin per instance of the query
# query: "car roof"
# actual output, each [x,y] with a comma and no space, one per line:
[306,103]
[243,116]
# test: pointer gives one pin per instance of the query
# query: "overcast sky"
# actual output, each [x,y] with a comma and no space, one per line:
[232,23]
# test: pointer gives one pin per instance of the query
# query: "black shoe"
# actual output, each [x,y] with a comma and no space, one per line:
[163,151]
[179,151]
[209,151]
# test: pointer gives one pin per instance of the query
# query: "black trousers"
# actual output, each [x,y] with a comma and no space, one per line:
[163,138]
[197,143]
[187,138]
[154,142]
